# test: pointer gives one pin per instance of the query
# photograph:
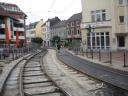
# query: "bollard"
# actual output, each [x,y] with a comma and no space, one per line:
[99,55]
[12,54]
[92,53]
[124,58]
[16,54]
[86,53]
[110,57]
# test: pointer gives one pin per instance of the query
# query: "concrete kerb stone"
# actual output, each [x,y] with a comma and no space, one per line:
[7,70]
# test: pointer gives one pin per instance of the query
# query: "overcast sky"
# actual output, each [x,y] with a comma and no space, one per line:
[44,9]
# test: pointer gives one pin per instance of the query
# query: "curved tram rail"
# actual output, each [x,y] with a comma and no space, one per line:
[29,79]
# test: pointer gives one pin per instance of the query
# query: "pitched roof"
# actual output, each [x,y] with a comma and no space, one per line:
[74,17]
[60,24]
[52,21]
[32,25]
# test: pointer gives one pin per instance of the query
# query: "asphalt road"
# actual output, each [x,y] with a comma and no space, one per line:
[109,75]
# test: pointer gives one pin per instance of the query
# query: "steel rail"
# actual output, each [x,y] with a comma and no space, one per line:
[7,72]
[21,74]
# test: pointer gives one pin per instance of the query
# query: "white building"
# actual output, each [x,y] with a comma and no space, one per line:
[46,30]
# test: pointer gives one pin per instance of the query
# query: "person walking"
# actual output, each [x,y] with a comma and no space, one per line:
[58,47]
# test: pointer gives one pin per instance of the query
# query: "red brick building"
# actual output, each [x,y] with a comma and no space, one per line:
[73,29]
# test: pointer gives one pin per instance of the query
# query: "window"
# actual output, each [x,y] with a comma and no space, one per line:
[77,23]
[72,24]
[78,31]
[103,15]
[121,19]
[98,15]
[98,40]
[2,31]
[68,25]
[121,2]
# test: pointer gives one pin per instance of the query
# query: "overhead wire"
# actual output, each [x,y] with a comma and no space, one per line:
[52,4]
[65,9]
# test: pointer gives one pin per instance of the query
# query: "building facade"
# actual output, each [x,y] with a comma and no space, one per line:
[73,29]
[46,30]
[12,20]
[105,24]
[34,30]
[59,30]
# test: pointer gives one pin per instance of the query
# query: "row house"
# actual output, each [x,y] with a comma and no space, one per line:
[46,30]
[12,20]
[59,30]
[34,30]
[105,24]
[73,29]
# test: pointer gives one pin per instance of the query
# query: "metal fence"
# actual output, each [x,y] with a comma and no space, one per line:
[10,52]
[105,55]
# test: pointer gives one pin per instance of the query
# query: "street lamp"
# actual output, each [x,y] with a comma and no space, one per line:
[90,29]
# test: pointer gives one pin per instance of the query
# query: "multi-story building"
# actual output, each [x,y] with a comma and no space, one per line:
[47,30]
[73,29]
[59,30]
[34,30]
[119,24]
[12,19]
[105,24]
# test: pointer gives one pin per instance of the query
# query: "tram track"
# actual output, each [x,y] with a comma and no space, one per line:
[28,78]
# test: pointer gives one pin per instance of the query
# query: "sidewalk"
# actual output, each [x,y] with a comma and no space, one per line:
[117,59]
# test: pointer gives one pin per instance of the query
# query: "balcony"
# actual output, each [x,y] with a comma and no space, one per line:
[97,24]
[77,36]
[74,36]
[2,25]
[20,37]
[2,36]
[18,28]
[21,21]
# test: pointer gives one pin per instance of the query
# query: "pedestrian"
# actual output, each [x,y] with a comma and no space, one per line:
[58,47]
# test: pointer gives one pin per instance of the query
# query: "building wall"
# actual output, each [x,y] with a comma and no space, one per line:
[12,29]
[39,29]
[115,13]
[103,26]
[60,31]
[91,5]
[120,29]
[46,34]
